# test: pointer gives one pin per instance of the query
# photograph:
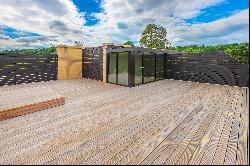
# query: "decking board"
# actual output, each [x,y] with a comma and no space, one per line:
[165,122]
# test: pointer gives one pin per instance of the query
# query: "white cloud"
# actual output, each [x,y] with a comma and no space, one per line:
[59,21]
[27,42]
[3,37]
[171,14]
[234,28]
[45,17]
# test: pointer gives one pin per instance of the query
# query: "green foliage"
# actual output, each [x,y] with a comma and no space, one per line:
[129,43]
[154,36]
[238,51]
[49,50]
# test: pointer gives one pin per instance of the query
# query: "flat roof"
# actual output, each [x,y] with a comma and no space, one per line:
[141,49]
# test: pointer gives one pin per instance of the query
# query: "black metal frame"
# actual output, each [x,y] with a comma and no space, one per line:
[131,69]
[117,65]
[142,64]
[155,75]
[144,68]
[130,66]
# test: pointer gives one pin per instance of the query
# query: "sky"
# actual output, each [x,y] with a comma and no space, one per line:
[43,23]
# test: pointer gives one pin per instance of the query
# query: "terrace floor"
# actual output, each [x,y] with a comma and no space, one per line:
[165,122]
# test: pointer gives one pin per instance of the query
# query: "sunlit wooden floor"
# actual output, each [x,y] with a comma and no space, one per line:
[165,122]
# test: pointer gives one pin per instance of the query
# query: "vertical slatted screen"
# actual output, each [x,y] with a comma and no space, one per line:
[27,68]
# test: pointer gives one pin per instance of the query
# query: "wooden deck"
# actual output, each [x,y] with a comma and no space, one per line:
[165,122]
[27,100]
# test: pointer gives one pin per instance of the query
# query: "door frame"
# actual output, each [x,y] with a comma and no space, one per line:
[117,65]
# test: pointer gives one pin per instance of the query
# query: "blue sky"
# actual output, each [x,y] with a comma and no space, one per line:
[89,7]
[221,10]
[43,23]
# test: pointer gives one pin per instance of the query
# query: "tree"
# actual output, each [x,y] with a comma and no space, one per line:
[129,43]
[41,51]
[154,36]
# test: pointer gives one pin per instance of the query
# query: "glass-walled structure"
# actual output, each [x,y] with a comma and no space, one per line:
[132,66]
[149,67]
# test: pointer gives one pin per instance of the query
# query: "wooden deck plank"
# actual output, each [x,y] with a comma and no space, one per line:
[129,129]
[161,127]
[210,151]
[118,106]
[135,150]
[197,138]
[156,126]
[231,150]
[99,103]
[242,157]
[173,145]
[147,106]
[198,153]
[40,155]
[153,126]
[221,149]
[185,116]
[75,139]
[180,154]
[168,121]
[181,134]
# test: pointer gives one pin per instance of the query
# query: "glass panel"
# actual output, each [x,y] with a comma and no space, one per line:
[138,69]
[159,66]
[112,68]
[149,67]
[123,68]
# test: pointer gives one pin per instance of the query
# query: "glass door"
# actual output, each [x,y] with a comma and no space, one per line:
[123,68]
[112,71]
[138,68]
[148,67]
[118,68]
